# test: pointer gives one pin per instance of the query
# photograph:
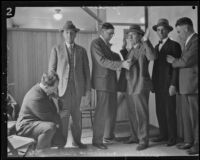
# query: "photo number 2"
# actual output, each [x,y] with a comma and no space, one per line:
[10,12]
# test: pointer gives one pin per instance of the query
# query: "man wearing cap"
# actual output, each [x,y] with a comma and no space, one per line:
[70,61]
[165,83]
[188,83]
[104,81]
[139,84]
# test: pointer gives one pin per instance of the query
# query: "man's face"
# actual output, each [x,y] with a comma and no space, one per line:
[162,32]
[182,32]
[133,38]
[69,36]
[108,34]
[52,90]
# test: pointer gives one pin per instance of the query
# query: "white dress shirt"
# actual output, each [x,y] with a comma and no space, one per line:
[161,44]
[189,37]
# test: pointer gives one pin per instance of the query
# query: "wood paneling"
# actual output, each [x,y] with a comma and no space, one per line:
[28,56]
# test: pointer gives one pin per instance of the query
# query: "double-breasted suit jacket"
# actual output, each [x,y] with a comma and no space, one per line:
[164,74]
[59,62]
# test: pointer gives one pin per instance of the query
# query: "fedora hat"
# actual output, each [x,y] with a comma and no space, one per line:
[162,22]
[69,26]
[135,28]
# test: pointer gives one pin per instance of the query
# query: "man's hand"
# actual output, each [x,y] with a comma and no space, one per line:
[126,64]
[146,35]
[170,59]
[172,90]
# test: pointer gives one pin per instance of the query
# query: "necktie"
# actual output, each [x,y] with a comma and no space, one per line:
[159,44]
[70,49]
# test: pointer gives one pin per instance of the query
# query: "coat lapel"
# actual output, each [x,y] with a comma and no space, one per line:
[190,41]
[64,52]
[165,45]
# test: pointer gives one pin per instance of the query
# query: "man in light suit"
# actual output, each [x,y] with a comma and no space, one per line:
[70,61]
[165,82]
[188,83]
[104,81]
[139,84]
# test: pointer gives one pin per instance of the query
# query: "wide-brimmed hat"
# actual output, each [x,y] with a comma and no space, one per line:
[135,28]
[69,26]
[162,22]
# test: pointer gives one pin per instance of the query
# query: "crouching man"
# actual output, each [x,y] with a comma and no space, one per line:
[38,117]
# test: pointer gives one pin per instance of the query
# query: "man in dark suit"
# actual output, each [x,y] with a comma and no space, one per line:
[165,83]
[38,117]
[188,83]
[104,81]
[70,61]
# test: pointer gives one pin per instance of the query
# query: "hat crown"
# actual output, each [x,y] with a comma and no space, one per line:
[135,26]
[69,25]
[163,21]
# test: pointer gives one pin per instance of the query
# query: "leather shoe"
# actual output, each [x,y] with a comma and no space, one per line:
[185,146]
[141,147]
[193,150]
[130,141]
[171,143]
[100,145]
[110,140]
[80,145]
[159,139]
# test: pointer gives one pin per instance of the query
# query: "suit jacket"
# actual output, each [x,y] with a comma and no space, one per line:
[188,64]
[138,78]
[36,107]
[59,62]
[164,74]
[104,66]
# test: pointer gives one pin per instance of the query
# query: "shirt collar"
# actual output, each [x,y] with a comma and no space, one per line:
[103,39]
[164,40]
[189,37]
[68,45]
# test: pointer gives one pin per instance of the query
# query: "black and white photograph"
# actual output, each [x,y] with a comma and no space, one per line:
[86,79]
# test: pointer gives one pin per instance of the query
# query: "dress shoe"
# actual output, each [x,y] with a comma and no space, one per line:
[110,140]
[80,145]
[185,146]
[141,147]
[100,145]
[193,150]
[159,139]
[130,141]
[171,143]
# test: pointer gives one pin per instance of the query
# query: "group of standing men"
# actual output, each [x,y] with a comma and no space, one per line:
[174,71]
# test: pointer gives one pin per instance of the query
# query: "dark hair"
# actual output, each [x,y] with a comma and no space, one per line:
[49,79]
[107,26]
[184,21]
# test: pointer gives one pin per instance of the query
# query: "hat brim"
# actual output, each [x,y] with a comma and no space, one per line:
[134,30]
[167,26]
[75,29]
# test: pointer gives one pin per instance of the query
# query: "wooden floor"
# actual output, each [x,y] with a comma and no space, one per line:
[117,149]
